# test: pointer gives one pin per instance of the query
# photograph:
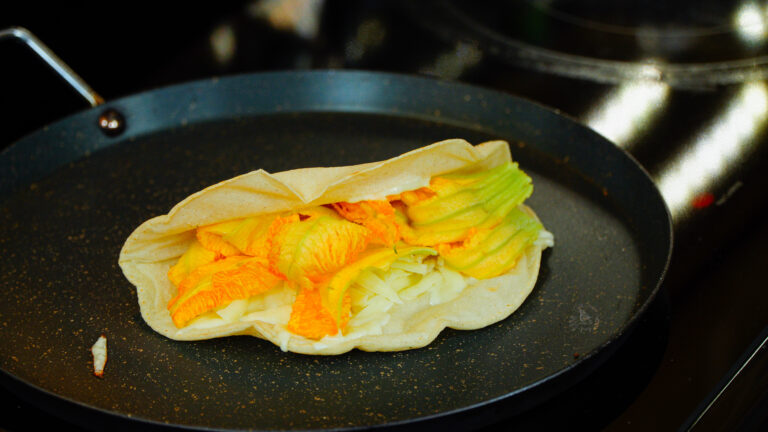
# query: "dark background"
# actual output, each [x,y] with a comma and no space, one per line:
[713,309]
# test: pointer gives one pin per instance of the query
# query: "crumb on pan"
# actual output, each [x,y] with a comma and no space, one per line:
[99,351]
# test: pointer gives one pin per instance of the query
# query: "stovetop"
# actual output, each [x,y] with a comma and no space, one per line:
[693,116]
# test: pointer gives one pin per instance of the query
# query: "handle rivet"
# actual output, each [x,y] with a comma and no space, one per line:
[111,122]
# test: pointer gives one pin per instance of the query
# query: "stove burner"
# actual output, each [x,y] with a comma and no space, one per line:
[610,42]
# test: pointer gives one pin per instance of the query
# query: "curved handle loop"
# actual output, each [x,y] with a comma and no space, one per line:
[54,62]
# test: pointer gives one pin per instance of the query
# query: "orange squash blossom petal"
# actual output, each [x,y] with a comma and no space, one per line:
[242,278]
[377,216]
[309,318]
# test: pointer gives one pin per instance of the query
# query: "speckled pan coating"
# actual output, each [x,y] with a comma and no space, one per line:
[70,196]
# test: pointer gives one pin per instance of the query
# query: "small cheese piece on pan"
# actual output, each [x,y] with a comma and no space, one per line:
[99,351]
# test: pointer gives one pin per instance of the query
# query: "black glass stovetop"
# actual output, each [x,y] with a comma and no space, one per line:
[675,75]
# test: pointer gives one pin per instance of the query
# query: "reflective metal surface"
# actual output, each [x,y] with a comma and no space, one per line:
[111,122]
[54,62]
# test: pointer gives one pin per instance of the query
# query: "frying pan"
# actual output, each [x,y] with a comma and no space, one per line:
[70,195]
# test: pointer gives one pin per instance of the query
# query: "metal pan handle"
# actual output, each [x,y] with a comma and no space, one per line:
[54,62]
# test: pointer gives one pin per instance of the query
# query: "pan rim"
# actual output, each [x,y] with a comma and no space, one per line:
[358,76]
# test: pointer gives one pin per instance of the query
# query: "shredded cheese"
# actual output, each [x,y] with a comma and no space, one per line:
[99,351]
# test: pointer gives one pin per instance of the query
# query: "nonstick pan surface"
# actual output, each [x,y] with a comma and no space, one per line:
[70,196]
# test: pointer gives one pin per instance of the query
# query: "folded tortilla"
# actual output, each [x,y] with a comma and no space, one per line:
[156,245]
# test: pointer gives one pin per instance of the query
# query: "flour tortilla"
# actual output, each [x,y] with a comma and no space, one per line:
[157,244]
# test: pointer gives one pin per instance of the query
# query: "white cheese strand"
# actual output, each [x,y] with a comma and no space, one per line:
[99,351]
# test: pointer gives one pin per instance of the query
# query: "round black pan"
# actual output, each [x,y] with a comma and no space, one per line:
[70,196]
